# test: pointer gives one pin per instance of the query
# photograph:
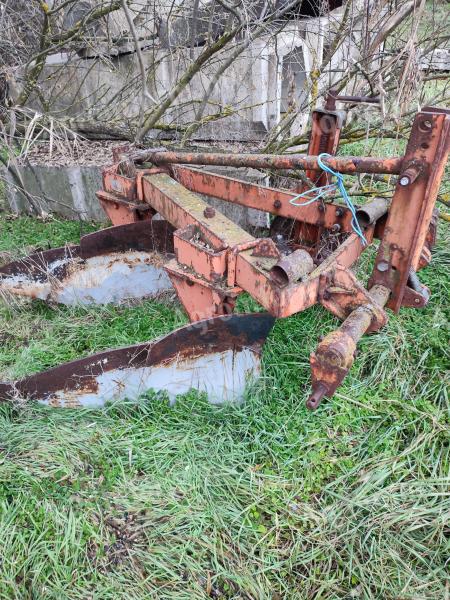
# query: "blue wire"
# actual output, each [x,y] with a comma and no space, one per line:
[343,192]
[321,191]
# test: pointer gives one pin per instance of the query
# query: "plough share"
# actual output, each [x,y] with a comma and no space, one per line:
[165,235]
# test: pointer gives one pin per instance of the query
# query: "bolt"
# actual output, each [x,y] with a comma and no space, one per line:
[321,208]
[382,266]
[335,228]
[339,212]
[426,124]
[209,212]
[409,176]
[277,204]
[416,300]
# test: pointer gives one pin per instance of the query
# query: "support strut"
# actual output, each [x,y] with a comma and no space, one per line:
[335,354]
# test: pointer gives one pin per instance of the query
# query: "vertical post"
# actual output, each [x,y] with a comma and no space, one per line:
[412,203]
[325,133]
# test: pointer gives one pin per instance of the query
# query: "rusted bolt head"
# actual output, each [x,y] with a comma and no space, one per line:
[382,266]
[426,125]
[417,300]
[339,212]
[277,204]
[335,228]
[209,212]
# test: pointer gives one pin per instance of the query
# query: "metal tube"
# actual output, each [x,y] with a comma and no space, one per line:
[291,268]
[372,211]
[358,321]
[348,165]
[359,99]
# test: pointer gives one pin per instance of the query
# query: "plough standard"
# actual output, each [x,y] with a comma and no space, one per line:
[165,234]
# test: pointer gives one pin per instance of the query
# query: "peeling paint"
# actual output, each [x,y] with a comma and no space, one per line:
[109,278]
[222,376]
[112,278]
[218,356]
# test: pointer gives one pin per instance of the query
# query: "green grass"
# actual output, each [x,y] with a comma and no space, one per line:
[263,500]
[21,236]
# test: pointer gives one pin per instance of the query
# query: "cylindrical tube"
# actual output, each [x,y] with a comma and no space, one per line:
[372,211]
[343,164]
[358,321]
[291,268]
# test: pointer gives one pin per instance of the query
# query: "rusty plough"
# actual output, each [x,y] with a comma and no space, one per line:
[166,235]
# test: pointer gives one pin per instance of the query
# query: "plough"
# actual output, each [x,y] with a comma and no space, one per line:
[166,236]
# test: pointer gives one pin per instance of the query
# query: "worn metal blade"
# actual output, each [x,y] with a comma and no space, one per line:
[217,356]
[108,266]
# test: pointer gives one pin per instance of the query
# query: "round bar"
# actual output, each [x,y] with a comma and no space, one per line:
[343,164]
[359,99]
[335,352]
[358,322]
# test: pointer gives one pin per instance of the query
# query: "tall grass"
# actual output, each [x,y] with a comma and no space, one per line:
[262,500]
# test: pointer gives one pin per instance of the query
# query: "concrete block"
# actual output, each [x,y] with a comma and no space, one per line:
[65,191]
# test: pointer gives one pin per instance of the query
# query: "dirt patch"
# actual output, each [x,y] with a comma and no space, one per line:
[126,533]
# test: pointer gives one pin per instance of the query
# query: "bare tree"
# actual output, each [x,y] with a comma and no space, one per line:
[175,58]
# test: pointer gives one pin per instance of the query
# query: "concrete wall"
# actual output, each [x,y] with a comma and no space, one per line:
[65,191]
[254,88]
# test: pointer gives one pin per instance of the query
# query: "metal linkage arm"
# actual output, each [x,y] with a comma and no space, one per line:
[336,352]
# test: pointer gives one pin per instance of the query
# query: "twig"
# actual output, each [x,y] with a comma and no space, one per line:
[145,94]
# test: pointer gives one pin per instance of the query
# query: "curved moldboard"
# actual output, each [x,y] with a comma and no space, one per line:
[143,236]
[108,266]
[217,356]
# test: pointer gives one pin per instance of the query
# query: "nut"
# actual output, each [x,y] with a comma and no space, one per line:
[209,212]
